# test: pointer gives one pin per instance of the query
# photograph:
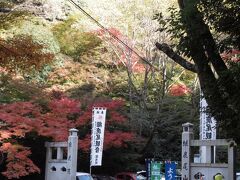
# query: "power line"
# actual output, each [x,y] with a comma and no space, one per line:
[110,33]
[115,37]
[102,27]
[98,23]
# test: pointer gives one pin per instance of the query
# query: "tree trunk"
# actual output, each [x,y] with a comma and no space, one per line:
[203,51]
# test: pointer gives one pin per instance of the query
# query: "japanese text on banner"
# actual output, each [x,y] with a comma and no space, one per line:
[97,137]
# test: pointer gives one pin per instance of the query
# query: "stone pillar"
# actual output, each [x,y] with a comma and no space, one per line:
[187,136]
[72,154]
[231,160]
[48,157]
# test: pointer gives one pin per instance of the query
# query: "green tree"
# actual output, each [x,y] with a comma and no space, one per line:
[165,141]
[74,41]
[198,38]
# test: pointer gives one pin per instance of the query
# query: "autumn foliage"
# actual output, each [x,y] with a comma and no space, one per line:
[21,53]
[179,90]
[126,56]
[113,137]
[231,55]
[53,120]
[18,163]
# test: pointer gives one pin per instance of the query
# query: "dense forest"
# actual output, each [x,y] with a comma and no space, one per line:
[142,60]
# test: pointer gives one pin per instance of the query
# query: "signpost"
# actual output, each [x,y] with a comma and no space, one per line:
[72,154]
[186,137]
[97,137]
[155,170]
[170,170]
[207,130]
[208,123]
[148,168]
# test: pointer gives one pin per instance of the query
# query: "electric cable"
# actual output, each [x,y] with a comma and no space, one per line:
[101,26]
[110,33]
[115,37]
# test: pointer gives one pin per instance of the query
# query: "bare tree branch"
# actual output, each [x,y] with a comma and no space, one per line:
[174,56]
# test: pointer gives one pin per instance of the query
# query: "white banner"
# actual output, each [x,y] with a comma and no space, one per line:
[207,122]
[97,138]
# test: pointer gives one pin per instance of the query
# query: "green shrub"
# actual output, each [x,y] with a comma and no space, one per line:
[41,34]
[73,40]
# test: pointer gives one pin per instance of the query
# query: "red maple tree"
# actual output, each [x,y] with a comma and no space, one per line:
[53,119]
[179,90]
[231,55]
[124,46]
